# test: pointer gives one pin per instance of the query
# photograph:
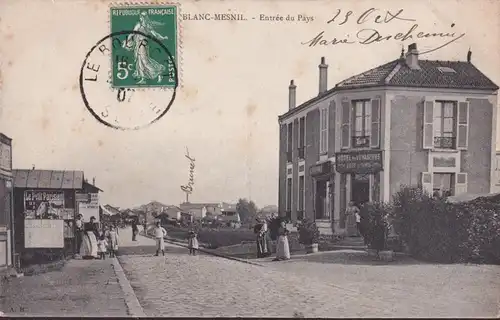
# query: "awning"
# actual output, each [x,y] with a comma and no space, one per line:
[106,211]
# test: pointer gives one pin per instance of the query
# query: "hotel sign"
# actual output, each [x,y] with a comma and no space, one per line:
[361,162]
[321,169]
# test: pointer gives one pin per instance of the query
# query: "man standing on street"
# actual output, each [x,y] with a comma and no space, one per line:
[135,230]
[160,233]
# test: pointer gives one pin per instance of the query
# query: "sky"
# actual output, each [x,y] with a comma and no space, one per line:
[235,77]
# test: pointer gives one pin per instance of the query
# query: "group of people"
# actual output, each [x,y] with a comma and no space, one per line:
[93,241]
[160,233]
[264,243]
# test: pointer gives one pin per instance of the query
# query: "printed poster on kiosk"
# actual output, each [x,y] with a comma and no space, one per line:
[43,224]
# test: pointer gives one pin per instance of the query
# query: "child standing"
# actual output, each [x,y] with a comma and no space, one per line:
[113,241]
[160,233]
[101,247]
[193,243]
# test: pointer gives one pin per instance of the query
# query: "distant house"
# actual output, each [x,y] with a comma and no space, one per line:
[229,213]
[173,212]
[201,210]
[153,209]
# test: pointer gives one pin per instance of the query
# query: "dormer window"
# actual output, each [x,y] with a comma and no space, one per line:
[446,70]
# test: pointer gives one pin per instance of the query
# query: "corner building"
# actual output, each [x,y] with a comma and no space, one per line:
[406,122]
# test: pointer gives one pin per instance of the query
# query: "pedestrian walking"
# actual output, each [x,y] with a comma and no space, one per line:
[113,241]
[135,230]
[160,233]
[79,233]
[102,246]
[193,243]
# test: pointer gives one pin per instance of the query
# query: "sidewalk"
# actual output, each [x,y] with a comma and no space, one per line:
[81,288]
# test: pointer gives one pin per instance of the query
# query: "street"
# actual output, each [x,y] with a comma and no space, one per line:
[338,284]
[327,284]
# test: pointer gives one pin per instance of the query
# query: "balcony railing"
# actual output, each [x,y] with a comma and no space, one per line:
[301,152]
[360,141]
[444,142]
[289,156]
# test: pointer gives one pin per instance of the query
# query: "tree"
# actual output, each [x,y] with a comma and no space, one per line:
[246,209]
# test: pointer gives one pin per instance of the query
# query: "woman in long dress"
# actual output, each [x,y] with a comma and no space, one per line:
[257,230]
[89,245]
[113,241]
[282,248]
[351,212]
[145,66]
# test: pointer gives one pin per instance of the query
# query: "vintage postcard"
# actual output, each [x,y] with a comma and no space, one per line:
[237,158]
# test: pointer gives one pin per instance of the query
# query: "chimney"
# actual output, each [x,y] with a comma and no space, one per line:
[412,57]
[323,76]
[93,181]
[291,95]
[469,55]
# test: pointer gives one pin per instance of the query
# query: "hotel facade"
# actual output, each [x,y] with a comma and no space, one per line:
[406,122]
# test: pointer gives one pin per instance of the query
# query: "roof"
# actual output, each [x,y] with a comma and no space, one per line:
[92,188]
[396,73]
[190,206]
[4,139]
[110,210]
[47,179]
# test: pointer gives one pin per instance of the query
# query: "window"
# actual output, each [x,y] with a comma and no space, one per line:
[289,144]
[445,119]
[361,129]
[302,133]
[323,133]
[300,202]
[288,195]
[443,184]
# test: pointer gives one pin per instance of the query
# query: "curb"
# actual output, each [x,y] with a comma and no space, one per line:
[134,307]
[210,253]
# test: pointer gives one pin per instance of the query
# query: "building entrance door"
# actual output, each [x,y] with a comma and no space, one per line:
[360,188]
[321,200]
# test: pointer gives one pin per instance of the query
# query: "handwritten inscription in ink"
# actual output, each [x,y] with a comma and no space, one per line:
[366,34]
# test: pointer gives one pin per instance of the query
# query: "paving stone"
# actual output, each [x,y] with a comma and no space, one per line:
[81,288]
[339,284]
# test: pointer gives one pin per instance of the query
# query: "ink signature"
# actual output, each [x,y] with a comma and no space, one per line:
[188,188]
[367,36]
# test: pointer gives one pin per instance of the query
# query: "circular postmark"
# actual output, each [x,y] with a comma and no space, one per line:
[137,105]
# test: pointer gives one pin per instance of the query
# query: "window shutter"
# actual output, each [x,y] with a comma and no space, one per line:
[428,130]
[461,183]
[375,134]
[325,129]
[463,125]
[346,124]
[426,182]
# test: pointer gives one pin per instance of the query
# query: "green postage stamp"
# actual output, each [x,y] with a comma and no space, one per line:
[146,54]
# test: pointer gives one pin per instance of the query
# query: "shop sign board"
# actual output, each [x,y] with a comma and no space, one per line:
[360,162]
[321,169]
